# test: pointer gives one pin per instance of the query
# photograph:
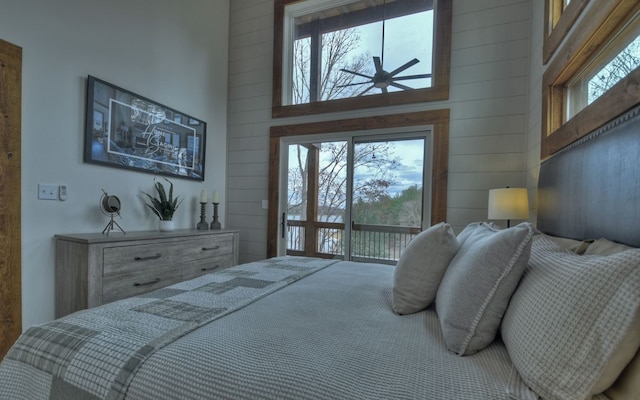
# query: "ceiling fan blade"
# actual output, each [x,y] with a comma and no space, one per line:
[366,90]
[354,84]
[356,73]
[404,78]
[405,66]
[378,64]
[403,87]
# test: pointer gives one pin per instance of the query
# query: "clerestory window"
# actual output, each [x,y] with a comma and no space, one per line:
[620,58]
[593,77]
[350,54]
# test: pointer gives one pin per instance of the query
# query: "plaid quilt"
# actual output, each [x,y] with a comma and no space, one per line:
[94,354]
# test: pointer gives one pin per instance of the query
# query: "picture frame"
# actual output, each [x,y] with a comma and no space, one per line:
[126,130]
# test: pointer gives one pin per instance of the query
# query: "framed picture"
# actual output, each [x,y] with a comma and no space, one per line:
[126,130]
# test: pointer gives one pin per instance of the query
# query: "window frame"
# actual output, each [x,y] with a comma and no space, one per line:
[439,119]
[558,22]
[590,36]
[440,79]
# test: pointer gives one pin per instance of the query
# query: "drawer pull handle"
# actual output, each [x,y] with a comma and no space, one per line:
[148,258]
[147,283]
[210,248]
[210,269]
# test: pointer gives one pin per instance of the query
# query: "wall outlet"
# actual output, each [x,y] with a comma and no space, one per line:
[47,191]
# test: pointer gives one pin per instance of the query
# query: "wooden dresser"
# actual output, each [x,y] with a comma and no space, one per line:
[93,269]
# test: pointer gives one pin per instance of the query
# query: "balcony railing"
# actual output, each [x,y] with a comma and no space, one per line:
[373,243]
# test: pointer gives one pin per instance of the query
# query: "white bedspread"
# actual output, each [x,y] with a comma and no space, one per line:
[331,335]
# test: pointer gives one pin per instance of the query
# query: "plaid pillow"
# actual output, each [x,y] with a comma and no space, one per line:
[569,316]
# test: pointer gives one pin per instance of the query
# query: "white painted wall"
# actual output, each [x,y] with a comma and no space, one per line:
[174,52]
[489,105]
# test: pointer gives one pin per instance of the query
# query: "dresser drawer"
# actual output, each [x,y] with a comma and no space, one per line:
[211,246]
[206,265]
[137,282]
[122,259]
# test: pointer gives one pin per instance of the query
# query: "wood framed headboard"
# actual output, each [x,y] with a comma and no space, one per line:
[591,189]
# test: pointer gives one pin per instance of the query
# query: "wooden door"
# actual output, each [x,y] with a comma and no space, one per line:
[10,230]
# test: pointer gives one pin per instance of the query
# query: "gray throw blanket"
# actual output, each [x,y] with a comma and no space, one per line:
[94,354]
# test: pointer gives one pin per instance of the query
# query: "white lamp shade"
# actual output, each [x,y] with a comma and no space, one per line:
[508,203]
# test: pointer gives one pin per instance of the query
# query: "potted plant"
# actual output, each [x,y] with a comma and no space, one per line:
[164,205]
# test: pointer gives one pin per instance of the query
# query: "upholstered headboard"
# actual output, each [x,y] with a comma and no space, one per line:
[591,189]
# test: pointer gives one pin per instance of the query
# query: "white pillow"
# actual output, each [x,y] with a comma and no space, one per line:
[421,267]
[569,317]
[478,284]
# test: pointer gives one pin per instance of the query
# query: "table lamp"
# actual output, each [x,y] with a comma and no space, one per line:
[508,203]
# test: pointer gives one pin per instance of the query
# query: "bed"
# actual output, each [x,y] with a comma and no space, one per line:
[562,321]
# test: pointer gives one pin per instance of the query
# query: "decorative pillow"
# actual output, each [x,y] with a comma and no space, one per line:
[576,246]
[421,267]
[618,364]
[478,284]
[628,384]
[569,317]
[469,229]
[604,247]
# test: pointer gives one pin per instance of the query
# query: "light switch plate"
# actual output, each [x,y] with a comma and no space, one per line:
[47,191]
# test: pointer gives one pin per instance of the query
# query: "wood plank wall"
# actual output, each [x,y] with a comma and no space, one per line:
[10,156]
[488,104]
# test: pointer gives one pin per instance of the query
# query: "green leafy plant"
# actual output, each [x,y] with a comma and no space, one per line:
[163,205]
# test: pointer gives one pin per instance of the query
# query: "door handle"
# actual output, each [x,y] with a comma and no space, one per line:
[283,223]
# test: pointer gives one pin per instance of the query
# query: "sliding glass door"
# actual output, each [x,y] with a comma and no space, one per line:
[387,202]
[361,198]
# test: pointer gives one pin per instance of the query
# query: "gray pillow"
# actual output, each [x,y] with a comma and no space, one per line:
[421,267]
[605,247]
[469,229]
[576,246]
[569,317]
[478,284]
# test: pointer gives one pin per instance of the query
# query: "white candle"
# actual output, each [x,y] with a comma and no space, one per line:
[203,196]
[215,198]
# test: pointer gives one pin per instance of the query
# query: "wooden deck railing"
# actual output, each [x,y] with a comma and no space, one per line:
[374,243]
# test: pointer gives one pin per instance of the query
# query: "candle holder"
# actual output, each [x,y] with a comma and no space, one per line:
[215,224]
[202,225]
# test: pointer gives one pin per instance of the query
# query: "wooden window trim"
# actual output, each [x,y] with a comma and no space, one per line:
[439,119]
[595,30]
[438,91]
[558,23]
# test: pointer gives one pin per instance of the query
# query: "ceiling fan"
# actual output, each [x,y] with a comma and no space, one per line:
[382,79]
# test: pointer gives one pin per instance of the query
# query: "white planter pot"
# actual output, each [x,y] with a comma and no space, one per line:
[166,226]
